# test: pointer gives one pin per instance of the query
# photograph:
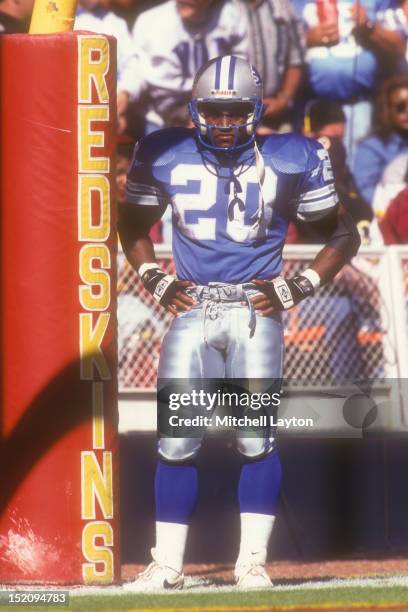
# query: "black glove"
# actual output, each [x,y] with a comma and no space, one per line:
[162,286]
[287,292]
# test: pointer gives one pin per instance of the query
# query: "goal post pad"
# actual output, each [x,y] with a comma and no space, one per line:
[59,501]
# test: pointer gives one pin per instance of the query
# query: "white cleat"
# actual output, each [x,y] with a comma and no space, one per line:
[251,574]
[156,577]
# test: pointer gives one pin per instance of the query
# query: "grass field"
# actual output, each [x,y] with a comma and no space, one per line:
[386,593]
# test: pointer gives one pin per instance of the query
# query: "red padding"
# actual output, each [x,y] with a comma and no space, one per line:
[59,410]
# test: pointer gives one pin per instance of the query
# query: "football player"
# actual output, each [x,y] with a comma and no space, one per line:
[232,196]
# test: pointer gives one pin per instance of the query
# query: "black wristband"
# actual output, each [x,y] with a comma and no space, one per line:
[162,286]
[285,293]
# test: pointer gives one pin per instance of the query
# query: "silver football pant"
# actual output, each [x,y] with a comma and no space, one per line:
[222,337]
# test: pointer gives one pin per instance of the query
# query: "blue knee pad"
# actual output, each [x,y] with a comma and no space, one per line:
[176,491]
[259,484]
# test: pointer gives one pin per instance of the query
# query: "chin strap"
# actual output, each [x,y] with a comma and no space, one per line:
[260,168]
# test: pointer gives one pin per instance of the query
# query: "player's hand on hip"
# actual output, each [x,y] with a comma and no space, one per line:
[166,289]
[280,293]
[181,301]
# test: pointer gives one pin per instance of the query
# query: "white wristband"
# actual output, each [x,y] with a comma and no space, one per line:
[147,266]
[313,277]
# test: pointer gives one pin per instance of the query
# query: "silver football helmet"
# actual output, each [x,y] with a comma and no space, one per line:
[223,80]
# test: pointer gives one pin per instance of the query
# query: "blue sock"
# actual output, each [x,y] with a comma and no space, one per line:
[259,485]
[176,490]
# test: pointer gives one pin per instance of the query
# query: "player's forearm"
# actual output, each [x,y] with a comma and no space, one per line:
[328,262]
[165,288]
[139,251]
[342,244]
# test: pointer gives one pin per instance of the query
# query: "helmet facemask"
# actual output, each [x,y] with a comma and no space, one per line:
[233,88]
[244,116]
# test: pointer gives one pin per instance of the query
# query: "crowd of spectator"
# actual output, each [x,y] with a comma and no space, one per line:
[337,70]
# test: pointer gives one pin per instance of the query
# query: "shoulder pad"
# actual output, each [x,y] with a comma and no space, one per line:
[159,148]
[290,153]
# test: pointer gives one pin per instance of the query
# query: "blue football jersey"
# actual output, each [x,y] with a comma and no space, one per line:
[230,214]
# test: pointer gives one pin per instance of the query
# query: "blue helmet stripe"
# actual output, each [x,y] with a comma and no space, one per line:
[218,73]
[231,72]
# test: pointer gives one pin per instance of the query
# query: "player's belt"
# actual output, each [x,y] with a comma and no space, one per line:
[223,292]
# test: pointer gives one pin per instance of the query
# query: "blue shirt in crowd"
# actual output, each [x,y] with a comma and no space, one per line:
[347,70]
[372,156]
